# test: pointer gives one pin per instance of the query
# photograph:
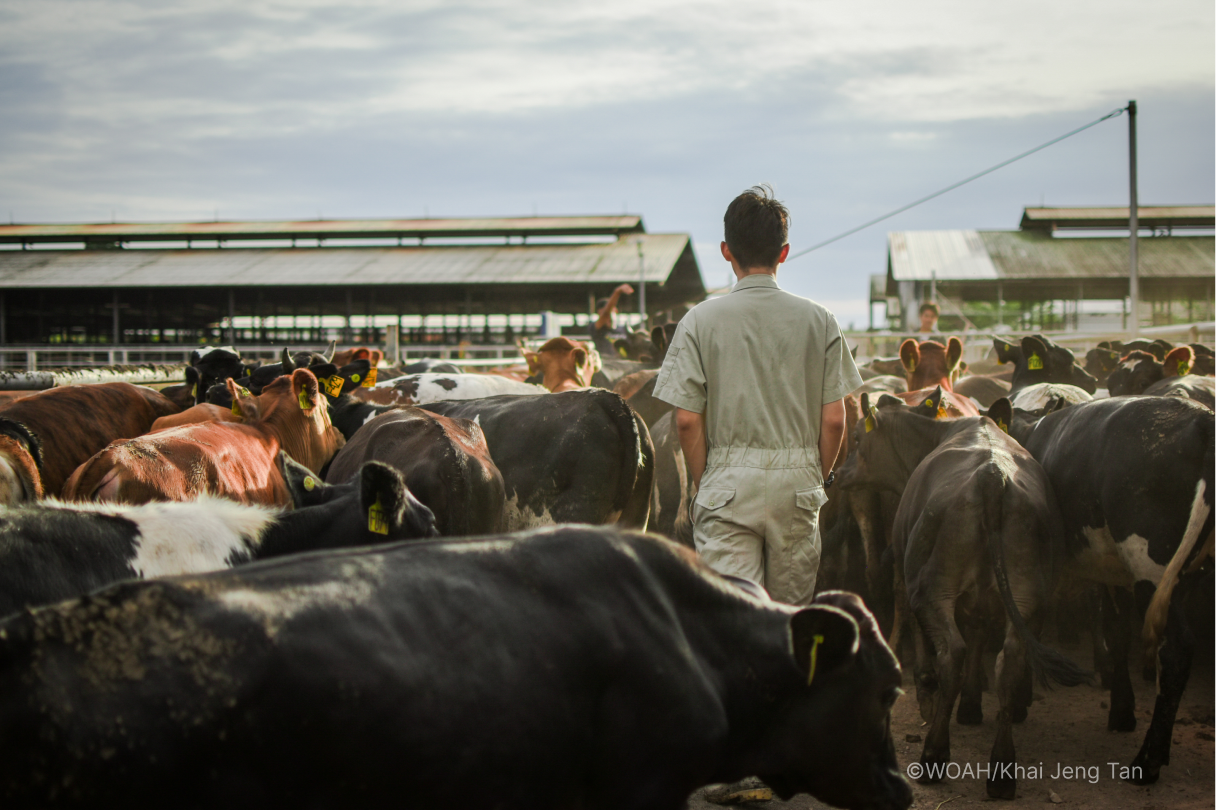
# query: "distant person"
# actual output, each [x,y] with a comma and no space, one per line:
[929,313]
[604,331]
[757,378]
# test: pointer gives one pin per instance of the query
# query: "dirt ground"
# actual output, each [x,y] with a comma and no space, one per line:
[1065,727]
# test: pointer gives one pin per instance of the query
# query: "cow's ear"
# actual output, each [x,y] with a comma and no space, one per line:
[304,485]
[1034,351]
[1179,361]
[22,434]
[285,360]
[909,355]
[235,395]
[658,336]
[192,379]
[932,406]
[622,347]
[1006,352]
[822,640]
[954,353]
[388,505]
[1001,412]
[329,352]
[305,389]
[888,401]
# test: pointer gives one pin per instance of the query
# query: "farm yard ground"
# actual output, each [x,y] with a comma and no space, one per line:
[1066,726]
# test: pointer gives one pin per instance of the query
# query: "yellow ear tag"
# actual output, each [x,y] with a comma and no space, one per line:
[815,642]
[1184,368]
[1034,363]
[236,407]
[370,380]
[621,351]
[333,385]
[1000,362]
[376,520]
[911,365]
[305,403]
[194,390]
[310,483]
[1001,424]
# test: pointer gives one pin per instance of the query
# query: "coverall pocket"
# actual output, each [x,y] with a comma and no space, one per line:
[806,516]
[717,500]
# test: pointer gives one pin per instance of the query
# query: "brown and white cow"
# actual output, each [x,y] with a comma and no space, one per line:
[236,461]
[20,464]
[76,421]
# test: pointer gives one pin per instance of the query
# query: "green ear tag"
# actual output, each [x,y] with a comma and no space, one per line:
[621,351]
[1035,363]
[333,385]
[354,378]
[1184,368]
[815,642]
[376,520]
[310,483]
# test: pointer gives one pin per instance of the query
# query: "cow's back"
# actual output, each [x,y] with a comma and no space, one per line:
[76,421]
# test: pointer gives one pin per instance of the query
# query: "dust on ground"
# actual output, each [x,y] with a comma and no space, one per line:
[1068,727]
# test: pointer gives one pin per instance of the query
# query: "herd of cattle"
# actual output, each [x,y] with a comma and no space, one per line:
[144,658]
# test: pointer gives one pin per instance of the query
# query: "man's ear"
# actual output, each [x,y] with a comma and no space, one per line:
[822,640]
[1034,351]
[1006,352]
[954,354]
[909,355]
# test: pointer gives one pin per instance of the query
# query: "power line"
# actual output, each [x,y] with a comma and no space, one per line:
[990,170]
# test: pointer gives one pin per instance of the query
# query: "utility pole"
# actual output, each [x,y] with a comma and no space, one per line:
[641,284]
[1133,286]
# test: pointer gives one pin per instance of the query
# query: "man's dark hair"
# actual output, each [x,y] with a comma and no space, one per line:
[757,227]
[929,306]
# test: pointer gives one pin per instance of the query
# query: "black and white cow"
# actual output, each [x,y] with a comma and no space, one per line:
[419,389]
[568,667]
[1138,370]
[53,550]
[976,538]
[573,457]
[1038,360]
[211,365]
[1133,477]
[1192,386]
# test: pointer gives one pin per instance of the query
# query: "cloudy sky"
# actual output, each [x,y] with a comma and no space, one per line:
[362,108]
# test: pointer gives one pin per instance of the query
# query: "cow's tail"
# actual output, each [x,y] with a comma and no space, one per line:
[1048,664]
[632,498]
[1201,509]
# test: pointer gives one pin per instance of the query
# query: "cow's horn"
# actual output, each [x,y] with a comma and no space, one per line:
[329,355]
[285,359]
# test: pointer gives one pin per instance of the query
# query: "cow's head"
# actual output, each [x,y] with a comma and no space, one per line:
[661,337]
[1157,348]
[835,741]
[375,506]
[565,365]
[637,345]
[211,366]
[1100,362]
[887,436]
[1020,423]
[349,378]
[294,409]
[1138,370]
[930,363]
[20,464]
[1038,360]
[1205,360]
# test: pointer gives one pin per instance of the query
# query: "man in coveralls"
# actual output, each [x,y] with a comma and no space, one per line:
[757,378]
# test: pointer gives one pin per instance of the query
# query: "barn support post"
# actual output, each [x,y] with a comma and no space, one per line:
[1000,304]
[3,319]
[642,284]
[231,317]
[115,320]
[1133,234]
[349,310]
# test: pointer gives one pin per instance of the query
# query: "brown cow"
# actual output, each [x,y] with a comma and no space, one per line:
[76,421]
[373,356]
[195,415]
[445,461]
[564,364]
[231,460]
[20,464]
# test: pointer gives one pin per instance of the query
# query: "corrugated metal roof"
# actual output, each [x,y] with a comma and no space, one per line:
[326,229]
[989,255]
[1147,216]
[611,262]
[946,255]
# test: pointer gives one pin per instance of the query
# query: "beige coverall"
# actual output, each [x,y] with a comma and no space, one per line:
[760,363]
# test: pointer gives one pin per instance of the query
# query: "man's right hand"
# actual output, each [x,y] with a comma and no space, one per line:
[624,289]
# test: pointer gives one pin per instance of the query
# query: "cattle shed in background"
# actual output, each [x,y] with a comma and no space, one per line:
[1052,272]
[439,280]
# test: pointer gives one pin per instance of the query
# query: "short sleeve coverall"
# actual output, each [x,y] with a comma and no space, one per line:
[760,363]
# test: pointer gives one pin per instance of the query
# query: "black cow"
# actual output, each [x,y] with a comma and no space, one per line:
[1200,389]
[569,667]
[977,531]
[52,550]
[211,365]
[445,462]
[1138,370]
[1038,360]
[573,457]
[1133,476]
